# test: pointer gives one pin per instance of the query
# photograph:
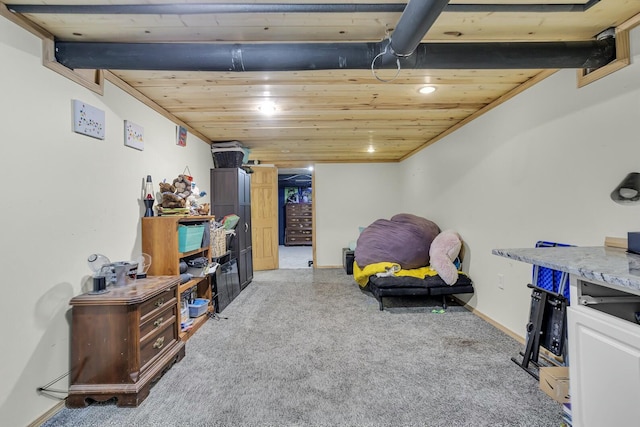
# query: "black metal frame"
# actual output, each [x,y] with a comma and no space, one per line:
[538,326]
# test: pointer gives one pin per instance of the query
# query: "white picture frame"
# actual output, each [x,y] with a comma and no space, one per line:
[88,120]
[133,135]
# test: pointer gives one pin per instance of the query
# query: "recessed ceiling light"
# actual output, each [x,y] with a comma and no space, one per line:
[267,107]
[427,89]
[371,149]
[310,168]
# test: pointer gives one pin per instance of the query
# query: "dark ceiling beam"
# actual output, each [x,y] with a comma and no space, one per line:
[414,23]
[204,8]
[322,56]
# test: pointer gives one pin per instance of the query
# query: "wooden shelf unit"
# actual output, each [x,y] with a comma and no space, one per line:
[160,240]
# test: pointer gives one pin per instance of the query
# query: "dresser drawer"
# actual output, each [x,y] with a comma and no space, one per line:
[298,240]
[297,208]
[297,232]
[158,303]
[299,215]
[155,344]
[299,222]
[167,314]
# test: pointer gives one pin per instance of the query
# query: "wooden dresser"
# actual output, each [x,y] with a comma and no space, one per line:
[298,224]
[123,340]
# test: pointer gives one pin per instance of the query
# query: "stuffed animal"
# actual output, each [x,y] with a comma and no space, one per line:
[169,198]
[192,200]
[443,251]
[165,187]
[195,207]
[203,209]
[183,186]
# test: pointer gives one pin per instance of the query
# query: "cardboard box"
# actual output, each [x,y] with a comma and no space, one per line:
[554,380]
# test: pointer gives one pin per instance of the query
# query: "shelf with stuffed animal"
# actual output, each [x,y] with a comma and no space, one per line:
[180,197]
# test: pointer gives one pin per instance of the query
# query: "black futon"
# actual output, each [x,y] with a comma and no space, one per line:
[398,286]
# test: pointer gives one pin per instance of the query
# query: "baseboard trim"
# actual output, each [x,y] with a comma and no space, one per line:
[47,415]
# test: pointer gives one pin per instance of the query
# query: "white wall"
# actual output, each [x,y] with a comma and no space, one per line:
[348,196]
[67,196]
[539,167]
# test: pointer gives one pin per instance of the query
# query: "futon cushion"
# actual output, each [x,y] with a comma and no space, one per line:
[429,282]
[404,239]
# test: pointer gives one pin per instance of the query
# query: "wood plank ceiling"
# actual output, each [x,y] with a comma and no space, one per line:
[335,115]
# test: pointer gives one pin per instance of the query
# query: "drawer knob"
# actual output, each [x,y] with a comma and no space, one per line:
[159,343]
[158,322]
[160,302]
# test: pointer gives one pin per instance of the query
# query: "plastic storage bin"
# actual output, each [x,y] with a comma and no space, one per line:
[198,307]
[190,237]
[548,279]
[227,159]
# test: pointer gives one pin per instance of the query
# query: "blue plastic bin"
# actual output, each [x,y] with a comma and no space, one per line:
[549,279]
[198,307]
[190,237]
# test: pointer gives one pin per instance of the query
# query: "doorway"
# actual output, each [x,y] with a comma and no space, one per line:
[295,218]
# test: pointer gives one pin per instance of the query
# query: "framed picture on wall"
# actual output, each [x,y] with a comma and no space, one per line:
[133,135]
[291,195]
[306,195]
[181,136]
[88,120]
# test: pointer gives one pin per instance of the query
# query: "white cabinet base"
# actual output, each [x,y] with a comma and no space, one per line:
[604,369]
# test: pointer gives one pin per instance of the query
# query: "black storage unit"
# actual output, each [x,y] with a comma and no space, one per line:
[347,260]
[231,194]
[226,284]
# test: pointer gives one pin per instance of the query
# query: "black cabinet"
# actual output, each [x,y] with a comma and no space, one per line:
[231,194]
[226,284]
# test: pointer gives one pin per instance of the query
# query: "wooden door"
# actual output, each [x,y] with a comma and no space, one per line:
[264,217]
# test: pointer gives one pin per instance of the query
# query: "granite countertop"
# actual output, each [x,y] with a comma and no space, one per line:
[609,265]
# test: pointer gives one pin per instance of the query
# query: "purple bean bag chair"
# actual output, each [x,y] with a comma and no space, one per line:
[405,239]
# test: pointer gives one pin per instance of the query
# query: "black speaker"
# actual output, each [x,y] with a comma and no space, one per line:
[347,260]
[554,325]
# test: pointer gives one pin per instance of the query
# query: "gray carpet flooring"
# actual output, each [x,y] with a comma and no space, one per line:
[294,256]
[307,347]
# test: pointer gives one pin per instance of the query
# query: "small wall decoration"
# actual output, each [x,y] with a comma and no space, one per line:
[291,195]
[88,120]
[133,135]
[181,136]
[306,195]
